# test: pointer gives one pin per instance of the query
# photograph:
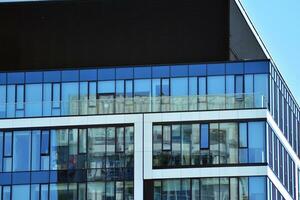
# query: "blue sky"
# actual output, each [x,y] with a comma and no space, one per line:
[278,24]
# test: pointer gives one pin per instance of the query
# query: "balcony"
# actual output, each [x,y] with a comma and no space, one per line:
[139,104]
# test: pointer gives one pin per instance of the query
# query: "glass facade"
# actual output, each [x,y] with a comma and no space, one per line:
[209,144]
[71,163]
[233,188]
[134,89]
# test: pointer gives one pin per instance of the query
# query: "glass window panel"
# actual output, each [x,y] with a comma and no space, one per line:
[129,140]
[21,150]
[6,193]
[186,144]
[228,134]
[142,72]
[257,67]
[186,189]
[35,192]
[33,98]
[197,70]
[234,189]
[45,163]
[44,192]
[234,68]
[2,78]
[256,136]
[230,84]
[59,149]
[157,144]
[70,94]
[82,140]
[156,88]
[204,136]
[56,95]
[7,144]
[20,97]
[176,146]
[243,135]
[73,148]
[160,71]
[261,89]
[11,98]
[165,87]
[196,189]
[202,86]
[120,90]
[45,142]
[224,188]
[88,75]
[214,141]
[1,152]
[34,77]
[195,148]
[47,99]
[35,150]
[142,87]
[179,70]
[110,147]
[72,191]
[96,147]
[243,188]
[70,75]
[107,74]
[239,84]
[128,88]
[215,69]
[52,76]
[59,191]
[193,86]
[106,87]
[179,87]
[2,101]
[110,190]
[209,188]
[7,164]
[124,73]
[171,189]
[95,190]
[166,138]
[82,191]
[249,84]
[14,78]
[216,85]
[129,190]
[120,139]
[257,188]
[20,192]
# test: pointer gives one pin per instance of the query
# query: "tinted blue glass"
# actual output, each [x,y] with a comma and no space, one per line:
[257,67]
[107,74]
[215,69]
[124,73]
[88,75]
[160,71]
[21,178]
[202,86]
[256,135]
[230,84]
[204,137]
[193,86]
[261,89]
[239,84]
[52,76]
[2,101]
[45,142]
[1,150]
[142,87]
[21,150]
[34,77]
[40,177]
[234,68]
[106,87]
[2,78]
[35,150]
[20,192]
[197,70]
[216,85]
[6,192]
[142,72]
[179,86]
[257,188]
[5,178]
[70,75]
[69,93]
[179,70]
[33,99]
[7,143]
[243,135]
[15,78]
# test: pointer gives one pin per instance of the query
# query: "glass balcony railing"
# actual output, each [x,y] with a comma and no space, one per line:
[138,104]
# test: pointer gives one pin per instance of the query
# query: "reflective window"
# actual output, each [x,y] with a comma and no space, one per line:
[256,142]
[257,188]
[70,75]
[20,192]
[179,87]
[142,72]
[33,98]
[107,74]
[234,68]
[142,87]
[179,70]
[36,150]
[160,71]
[215,69]
[257,67]
[14,78]
[216,85]
[124,73]
[34,77]
[204,136]
[197,70]
[52,76]
[88,75]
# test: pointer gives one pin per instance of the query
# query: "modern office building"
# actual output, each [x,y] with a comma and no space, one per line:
[151,99]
